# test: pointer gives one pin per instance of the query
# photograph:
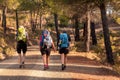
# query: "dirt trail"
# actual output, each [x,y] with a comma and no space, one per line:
[78,68]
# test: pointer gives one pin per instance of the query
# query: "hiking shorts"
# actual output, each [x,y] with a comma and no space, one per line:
[64,51]
[21,46]
[45,51]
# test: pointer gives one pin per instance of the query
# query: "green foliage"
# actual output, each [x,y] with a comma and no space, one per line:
[79,47]
[116,67]
[98,49]
[63,21]
[81,25]
[115,39]
[50,22]
[10,4]
[27,5]
[115,42]
[56,6]
[118,20]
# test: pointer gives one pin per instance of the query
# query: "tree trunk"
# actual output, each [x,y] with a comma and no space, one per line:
[77,37]
[93,35]
[106,34]
[56,26]
[4,19]
[36,20]
[31,20]
[85,29]
[87,39]
[1,19]
[17,23]
[40,20]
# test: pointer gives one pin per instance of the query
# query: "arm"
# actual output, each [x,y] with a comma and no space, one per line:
[69,38]
[40,42]
[53,45]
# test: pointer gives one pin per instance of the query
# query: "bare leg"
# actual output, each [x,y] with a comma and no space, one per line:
[65,61]
[62,58]
[47,60]
[23,60]
[20,59]
[23,57]
[44,60]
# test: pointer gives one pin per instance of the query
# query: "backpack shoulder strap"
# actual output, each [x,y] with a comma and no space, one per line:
[61,35]
[41,40]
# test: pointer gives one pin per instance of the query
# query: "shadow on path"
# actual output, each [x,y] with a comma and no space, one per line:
[75,65]
[33,78]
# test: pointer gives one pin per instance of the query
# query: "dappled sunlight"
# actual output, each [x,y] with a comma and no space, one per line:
[77,68]
[56,69]
[38,74]
[91,35]
[34,78]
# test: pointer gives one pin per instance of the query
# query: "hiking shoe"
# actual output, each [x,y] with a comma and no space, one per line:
[20,66]
[23,62]
[48,67]
[45,68]
[63,67]
[23,66]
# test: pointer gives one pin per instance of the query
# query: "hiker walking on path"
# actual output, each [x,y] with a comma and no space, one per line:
[64,43]
[46,43]
[22,37]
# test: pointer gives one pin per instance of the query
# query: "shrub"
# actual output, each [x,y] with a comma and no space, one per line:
[118,20]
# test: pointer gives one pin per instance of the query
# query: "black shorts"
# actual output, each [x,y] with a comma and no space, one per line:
[64,51]
[21,46]
[45,51]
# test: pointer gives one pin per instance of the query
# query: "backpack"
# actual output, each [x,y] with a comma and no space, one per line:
[45,42]
[21,34]
[64,40]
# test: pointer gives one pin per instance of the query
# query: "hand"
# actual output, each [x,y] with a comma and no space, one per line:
[40,47]
[54,50]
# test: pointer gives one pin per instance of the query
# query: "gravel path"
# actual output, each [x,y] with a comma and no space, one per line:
[78,68]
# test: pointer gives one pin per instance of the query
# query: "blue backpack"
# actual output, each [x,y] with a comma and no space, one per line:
[64,43]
